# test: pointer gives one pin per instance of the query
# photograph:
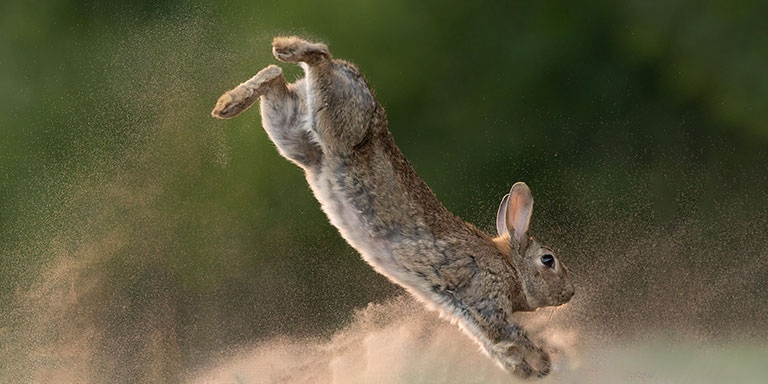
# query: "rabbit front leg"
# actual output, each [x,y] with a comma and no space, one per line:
[506,342]
[338,97]
[286,119]
[518,354]
[284,113]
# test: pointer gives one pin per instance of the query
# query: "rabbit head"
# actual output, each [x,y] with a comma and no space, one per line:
[543,276]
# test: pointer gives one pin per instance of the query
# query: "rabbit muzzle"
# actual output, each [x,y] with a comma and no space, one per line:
[567,293]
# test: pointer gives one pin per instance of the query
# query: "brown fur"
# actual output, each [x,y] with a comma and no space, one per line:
[331,125]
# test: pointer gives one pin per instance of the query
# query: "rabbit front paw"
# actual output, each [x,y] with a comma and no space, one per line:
[526,362]
[540,361]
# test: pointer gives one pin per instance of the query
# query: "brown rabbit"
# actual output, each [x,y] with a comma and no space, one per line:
[330,124]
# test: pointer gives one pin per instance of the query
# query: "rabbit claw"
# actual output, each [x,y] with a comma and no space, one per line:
[527,361]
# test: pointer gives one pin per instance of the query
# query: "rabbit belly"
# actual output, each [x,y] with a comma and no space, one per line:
[354,228]
[379,252]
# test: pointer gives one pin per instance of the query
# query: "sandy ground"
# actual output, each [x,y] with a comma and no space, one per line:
[399,342]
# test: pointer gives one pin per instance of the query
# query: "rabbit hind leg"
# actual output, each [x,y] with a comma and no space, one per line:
[293,50]
[285,117]
[237,100]
[338,96]
[283,113]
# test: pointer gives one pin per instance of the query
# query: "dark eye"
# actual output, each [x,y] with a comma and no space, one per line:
[548,260]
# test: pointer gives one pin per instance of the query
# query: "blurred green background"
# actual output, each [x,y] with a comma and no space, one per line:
[140,238]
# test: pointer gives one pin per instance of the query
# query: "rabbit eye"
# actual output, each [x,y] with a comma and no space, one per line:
[548,260]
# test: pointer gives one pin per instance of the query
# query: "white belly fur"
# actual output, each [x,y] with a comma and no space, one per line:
[353,228]
[377,252]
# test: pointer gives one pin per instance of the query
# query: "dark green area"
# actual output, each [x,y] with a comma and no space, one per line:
[130,216]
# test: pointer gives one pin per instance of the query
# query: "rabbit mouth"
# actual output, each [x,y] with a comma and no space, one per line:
[566,295]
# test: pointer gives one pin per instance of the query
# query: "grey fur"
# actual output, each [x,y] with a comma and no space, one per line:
[331,125]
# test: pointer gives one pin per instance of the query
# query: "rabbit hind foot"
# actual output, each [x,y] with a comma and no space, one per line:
[234,102]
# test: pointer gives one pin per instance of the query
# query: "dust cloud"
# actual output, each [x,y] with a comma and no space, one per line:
[400,342]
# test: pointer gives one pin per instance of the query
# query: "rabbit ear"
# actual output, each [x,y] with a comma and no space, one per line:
[501,221]
[519,210]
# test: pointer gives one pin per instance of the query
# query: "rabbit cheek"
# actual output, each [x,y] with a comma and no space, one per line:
[533,293]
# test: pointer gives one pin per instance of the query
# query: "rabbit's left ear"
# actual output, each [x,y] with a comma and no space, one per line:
[519,207]
[501,216]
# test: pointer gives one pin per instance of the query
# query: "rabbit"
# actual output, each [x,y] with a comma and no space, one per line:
[330,124]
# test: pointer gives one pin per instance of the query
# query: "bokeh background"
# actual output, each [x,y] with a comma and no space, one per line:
[140,239]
